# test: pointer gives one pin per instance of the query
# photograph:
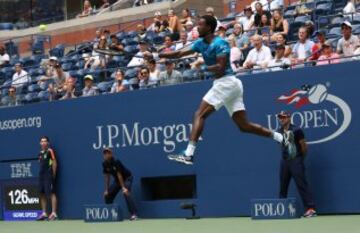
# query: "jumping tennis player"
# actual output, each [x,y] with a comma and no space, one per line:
[226,91]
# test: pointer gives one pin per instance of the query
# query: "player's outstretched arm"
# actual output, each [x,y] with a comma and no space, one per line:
[177,54]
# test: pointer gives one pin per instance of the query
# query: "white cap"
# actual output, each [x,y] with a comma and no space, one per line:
[53,58]
[347,23]
[190,23]
[157,13]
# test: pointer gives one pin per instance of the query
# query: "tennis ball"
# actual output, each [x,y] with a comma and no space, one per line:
[42,27]
[317,94]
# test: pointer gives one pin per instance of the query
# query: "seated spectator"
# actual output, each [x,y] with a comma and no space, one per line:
[69,88]
[259,13]
[279,25]
[280,61]
[310,27]
[349,42]
[186,17]
[349,8]
[241,39]
[165,27]
[58,79]
[276,5]
[144,79]
[157,22]
[328,56]
[247,20]
[144,53]
[4,57]
[20,77]
[211,11]
[302,50]
[105,4]
[154,71]
[183,41]
[168,45]
[281,40]
[170,76]
[98,34]
[174,24]
[115,44]
[141,31]
[13,99]
[221,31]
[97,59]
[317,48]
[119,84]
[87,9]
[264,4]
[235,55]
[107,35]
[264,29]
[192,32]
[89,89]
[259,56]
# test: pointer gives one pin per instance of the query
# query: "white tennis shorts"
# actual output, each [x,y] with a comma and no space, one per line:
[226,91]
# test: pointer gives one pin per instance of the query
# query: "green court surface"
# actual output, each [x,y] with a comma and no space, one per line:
[321,224]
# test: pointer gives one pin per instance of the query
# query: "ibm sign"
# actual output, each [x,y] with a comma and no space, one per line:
[274,208]
[102,213]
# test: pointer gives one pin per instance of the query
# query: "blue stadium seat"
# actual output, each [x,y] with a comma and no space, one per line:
[11,48]
[44,85]
[43,96]
[105,86]
[27,62]
[190,75]
[6,26]
[33,88]
[31,98]
[131,73]
[67,66]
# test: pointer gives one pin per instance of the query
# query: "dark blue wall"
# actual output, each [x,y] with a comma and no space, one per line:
[231,167]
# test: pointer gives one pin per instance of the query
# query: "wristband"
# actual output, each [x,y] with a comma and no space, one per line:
[204,68]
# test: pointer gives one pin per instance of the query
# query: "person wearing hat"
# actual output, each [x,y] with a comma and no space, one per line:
[192,32]
[349,42]
[20,78]
[294,150]
[122,177]
[139,58]
[247,20]
[89,89]
[328,56]
[170,76]
[280,61]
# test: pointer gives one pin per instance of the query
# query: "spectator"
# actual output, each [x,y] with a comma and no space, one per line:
[276,5]
[98,60]
[328,56]
[69,88]
[144,79]
[279,25]
[144,53]
[174,24]
[183,41]
[157,22]
[98,34]
[317,48]
[154,72]
[248,20]
[221,31]
[58,78]
[13,99]
[89,89]
[165,27]
[170,76]
[105,4]
[310,27]
[211,11]
[259,56]
[119,84]
[280,61]
[186,17]
[281,40]
[264,28]
[192,32]
[87,9]
[259,13]
[349,42]
[264,4]
[235,55]
[4,57]
[168,45]
[349,8]
[141,31]
[107,35]
[20,78]
[241,39]
[302,50]
[116,45]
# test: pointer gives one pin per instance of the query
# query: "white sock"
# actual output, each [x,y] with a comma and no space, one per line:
[190,149]
[54,214]
[278,137]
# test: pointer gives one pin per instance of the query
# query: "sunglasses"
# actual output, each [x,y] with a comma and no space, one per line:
[144,73]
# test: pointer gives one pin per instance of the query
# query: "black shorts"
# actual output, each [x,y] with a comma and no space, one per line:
[47,184]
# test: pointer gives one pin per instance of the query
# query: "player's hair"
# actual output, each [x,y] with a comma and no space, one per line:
[45,137]
[210,21]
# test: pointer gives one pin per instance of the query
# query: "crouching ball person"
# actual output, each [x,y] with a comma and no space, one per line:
[122,182]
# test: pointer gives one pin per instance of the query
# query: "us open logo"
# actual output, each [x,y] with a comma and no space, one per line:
[315,108]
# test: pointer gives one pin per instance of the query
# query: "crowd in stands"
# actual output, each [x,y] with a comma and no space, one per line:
[264,37]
